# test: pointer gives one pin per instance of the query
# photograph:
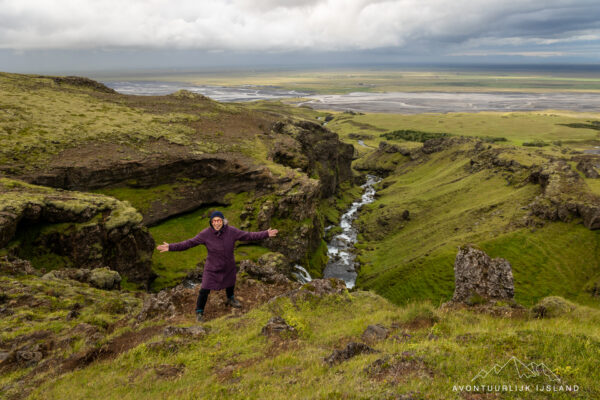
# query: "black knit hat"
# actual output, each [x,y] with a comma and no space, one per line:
[215,214]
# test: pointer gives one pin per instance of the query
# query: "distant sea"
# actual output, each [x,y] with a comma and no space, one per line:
[393,102]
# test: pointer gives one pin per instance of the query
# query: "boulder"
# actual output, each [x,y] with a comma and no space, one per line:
[15,266]
[479,278]
[195,331]
[277,326]
[374,333]
[101,278]
[351,350]
[316,288]
[268,268]
[105,278]
[166,303]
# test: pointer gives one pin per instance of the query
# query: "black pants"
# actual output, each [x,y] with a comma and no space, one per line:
[203,297]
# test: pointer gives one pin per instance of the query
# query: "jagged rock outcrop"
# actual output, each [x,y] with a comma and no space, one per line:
[588,165]
[479,278]
[15,266]
[316,151]
[488,157]
[81,82]
[294,206]
[435,145]
[386,147]
[564,195]
[84,230]
[351,350]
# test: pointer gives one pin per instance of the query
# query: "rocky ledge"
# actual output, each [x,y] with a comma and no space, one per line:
[72,229]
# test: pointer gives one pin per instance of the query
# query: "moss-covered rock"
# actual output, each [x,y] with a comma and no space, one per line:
[55,228]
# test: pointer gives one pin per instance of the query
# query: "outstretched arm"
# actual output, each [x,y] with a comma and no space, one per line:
[249,236]
[180,246]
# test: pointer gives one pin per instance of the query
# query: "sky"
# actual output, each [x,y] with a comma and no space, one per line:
[79,35]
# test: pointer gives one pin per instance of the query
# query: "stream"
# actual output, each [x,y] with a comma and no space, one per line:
[342,263]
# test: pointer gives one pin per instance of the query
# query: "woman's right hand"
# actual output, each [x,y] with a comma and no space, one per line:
[163,247]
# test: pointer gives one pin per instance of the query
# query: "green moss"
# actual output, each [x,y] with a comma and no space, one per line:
[125,214]
[142,198]
[551,307]
[318,261]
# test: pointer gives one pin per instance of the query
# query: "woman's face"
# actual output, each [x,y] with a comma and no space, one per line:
[217,223]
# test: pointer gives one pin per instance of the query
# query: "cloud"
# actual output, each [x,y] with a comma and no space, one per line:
[418,26]
[542,54]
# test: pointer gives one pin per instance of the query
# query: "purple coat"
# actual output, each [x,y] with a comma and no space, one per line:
[219,269]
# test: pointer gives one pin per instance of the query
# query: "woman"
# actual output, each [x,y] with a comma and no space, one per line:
[219,269]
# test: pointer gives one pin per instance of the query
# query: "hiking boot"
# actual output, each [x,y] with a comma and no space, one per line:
[231,301]
[199,317]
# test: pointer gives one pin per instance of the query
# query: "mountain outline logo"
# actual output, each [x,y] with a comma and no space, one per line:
[532,370]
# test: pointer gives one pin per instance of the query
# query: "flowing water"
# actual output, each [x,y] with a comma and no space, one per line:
[342,263]
[301,274]
[389,102]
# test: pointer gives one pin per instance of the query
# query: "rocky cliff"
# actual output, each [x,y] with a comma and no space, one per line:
[166,156]
[56,228]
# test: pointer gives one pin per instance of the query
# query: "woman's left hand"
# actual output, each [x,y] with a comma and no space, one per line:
[272,232]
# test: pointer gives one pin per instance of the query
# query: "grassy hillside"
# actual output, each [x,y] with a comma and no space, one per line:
[451,204]
[427,352]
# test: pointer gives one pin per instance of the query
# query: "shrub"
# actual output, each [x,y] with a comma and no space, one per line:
[413,136]
[535,143]
[552,306]
[493,139]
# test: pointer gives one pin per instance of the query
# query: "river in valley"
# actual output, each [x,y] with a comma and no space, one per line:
[340,248]
[390,102]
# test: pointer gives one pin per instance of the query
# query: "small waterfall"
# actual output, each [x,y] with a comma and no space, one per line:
[340,249]
[301,274]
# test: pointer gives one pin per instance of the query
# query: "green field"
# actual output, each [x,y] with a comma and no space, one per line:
[515,127]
